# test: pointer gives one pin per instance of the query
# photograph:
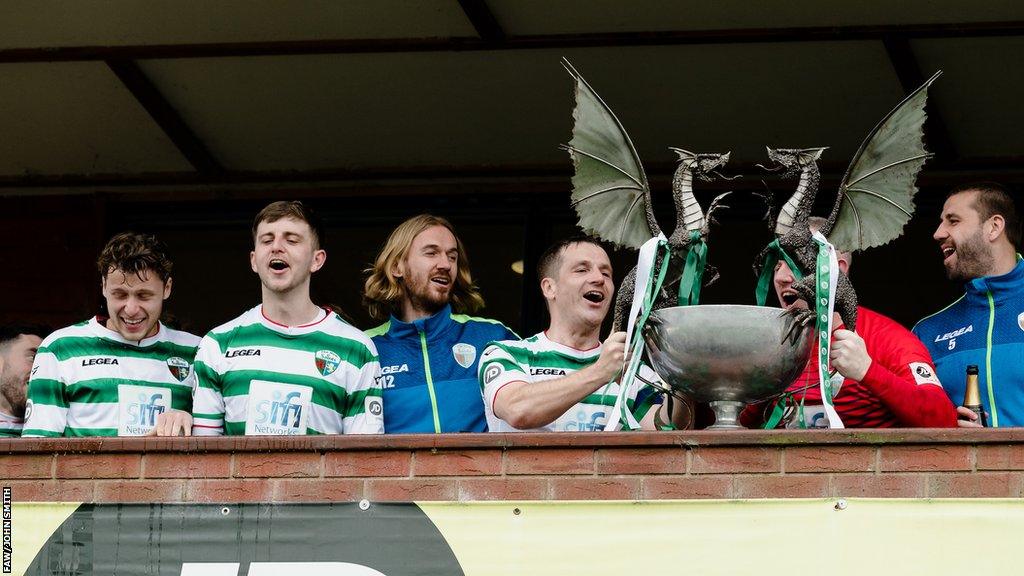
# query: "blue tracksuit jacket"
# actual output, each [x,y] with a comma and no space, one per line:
[985,327]
[428,371]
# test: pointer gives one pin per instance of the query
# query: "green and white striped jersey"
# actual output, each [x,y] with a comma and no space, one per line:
[257,377]
[10,426]
[536,359]
[89,381]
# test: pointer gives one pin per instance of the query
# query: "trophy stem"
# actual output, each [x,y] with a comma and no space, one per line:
[727,414]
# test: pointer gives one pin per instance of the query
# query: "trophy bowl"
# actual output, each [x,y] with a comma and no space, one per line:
[726,355]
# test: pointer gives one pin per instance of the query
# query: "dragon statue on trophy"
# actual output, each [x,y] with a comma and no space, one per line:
[873,204]
[612,198]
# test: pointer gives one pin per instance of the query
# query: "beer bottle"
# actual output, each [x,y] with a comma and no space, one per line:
[972,398]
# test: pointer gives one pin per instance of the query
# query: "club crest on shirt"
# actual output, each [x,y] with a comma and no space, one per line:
[464,354]
[1020,320]
[327,362]
[179,368]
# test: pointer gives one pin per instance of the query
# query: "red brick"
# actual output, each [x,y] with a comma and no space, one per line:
[924,458]
[139,491]
[457,463]
[503,489]
[51,490]
[878,485]
[686,487]
[187,465]
[973,485]
[27,466]
[1010,457]
[603,488]
[781,486]
[735,460]
[550,461]
[99,465]
[830,458]
[277,465]
[367,464]
[410,489]
[227,491]
[317,490]
[641,461]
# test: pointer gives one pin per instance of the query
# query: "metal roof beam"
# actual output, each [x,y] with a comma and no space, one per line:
[147,94]
[551,41]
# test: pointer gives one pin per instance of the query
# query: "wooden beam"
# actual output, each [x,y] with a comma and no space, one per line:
[908,70]
[147,94]
[483,20]
[548,41]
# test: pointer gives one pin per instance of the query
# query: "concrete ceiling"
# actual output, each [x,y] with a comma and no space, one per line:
[138,95]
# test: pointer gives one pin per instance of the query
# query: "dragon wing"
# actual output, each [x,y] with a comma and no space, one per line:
[876,196]
[609,188]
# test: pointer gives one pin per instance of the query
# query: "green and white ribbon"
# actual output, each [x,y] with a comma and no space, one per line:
[825,278]
[649,282]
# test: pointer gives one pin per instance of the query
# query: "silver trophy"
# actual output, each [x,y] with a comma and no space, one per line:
[726,355]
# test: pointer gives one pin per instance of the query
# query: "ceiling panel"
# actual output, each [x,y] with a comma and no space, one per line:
[524,17]
[53,23]
[511,108]
[979,94]
[76,118]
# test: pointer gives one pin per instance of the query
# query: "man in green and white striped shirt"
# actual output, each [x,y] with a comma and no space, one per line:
[119,374]
[287,366]
[565,378]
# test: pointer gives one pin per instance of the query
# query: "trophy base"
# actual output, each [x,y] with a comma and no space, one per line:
[727,413]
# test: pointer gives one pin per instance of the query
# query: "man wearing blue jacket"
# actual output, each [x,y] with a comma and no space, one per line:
[979,235]
[429,349]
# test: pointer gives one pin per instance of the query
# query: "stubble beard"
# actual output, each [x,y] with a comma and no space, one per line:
[14,392]
[974,259]
[422,298]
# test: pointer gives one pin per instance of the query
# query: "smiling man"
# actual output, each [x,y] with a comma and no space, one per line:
[287,367]
[429,348]
[884,375]
[18,345]
[116,374]
[979,235]
[565,378]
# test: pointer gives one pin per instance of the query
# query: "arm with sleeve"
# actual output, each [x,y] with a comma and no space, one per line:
[208,402]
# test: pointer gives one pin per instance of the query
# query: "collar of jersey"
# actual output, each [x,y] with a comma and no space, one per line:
[431,325]
[291,331]
[568,350]
[1005,285]
[98,328]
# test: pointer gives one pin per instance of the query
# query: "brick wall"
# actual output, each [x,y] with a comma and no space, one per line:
[685,465]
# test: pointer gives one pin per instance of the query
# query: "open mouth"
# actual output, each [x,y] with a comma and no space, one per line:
[594,296]
[789,298]
[441,280]
[132,323]
[278,265]
[947,251]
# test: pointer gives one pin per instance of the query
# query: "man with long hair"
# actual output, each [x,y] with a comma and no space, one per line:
[429,348]
[287,367]
[123,371]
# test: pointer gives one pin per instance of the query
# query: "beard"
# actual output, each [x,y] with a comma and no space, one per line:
[974,259]
[13,390]
[422,297]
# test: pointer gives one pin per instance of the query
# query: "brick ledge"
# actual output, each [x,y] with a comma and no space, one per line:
[697,438]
